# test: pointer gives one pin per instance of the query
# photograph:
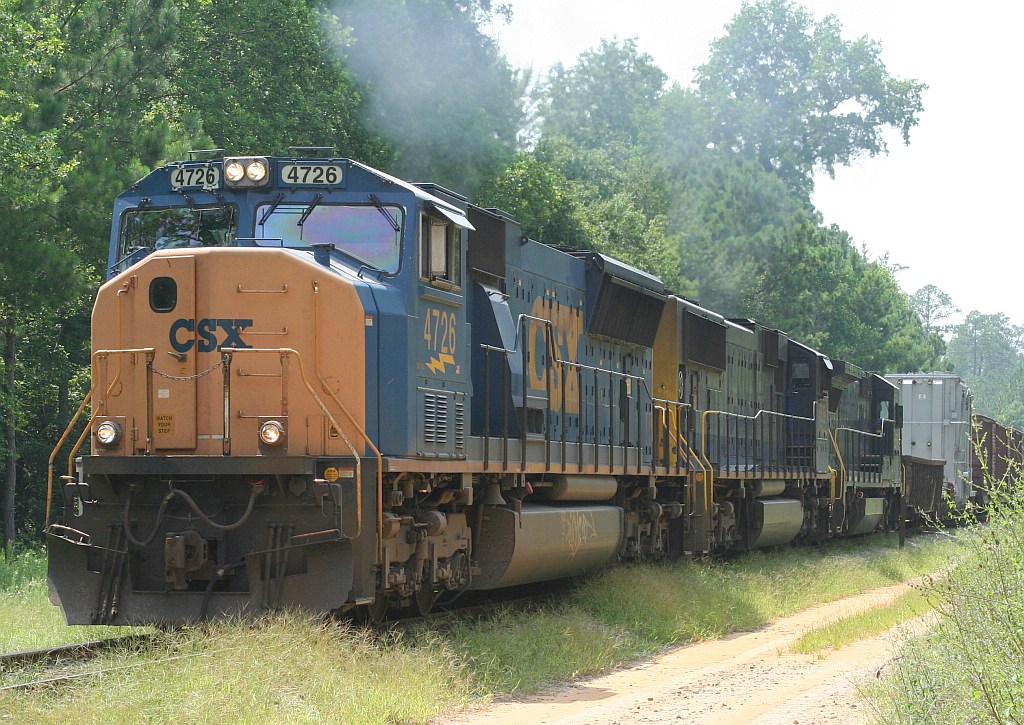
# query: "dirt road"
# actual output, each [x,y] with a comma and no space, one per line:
[745,678]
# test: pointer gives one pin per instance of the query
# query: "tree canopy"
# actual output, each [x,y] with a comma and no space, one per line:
[793,94]
[605,99]
[988,351]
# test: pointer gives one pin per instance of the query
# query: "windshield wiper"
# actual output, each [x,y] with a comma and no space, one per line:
[309,209]
[116,266]
[273,205]
[387,215]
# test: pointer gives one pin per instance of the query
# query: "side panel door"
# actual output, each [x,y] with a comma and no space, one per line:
[176,338]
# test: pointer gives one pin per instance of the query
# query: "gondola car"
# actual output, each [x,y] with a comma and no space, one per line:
[997,456]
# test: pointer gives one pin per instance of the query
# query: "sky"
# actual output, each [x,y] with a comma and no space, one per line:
[948,206]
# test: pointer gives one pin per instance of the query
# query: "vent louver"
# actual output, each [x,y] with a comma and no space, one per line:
[435,419]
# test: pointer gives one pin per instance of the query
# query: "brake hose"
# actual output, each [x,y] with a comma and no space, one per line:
[192,505]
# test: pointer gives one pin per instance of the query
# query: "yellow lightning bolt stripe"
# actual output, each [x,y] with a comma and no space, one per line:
[439,364]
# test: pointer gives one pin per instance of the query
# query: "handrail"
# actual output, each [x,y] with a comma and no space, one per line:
[286,351]
[351,419]
[842,467]
[665,409]
[554,359]
[740,416]
[709,491]
[228,353]
[842,470]
[53,456]
[149,352]
[692,458]
[709,479]
[863,434]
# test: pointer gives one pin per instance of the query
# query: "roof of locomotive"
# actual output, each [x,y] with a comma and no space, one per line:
[157,181]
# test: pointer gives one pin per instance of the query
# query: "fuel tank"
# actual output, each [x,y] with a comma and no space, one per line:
[544,542]
[780,521]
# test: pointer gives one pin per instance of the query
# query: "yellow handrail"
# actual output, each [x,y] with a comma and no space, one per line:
[685,449]
[284,351]
[53,456]
[709,483]
[709,476]
[842,466]
[149,352]
[351,419]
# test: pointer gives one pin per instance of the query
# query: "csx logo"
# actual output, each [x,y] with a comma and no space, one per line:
[211,334]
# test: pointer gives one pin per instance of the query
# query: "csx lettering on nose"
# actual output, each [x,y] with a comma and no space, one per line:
[208,334]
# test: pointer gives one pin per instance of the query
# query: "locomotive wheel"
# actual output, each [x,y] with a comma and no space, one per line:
[377,612]
[424,600]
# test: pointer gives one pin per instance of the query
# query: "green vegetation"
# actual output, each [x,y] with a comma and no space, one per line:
[967,669]
[29,620]
[843,631]
[288,669]
[292,669]
[989,352]
[708,186]
[666,605]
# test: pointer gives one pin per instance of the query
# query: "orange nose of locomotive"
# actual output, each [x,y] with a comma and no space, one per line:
[267,359]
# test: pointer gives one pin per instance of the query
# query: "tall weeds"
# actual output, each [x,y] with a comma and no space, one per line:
[970,667]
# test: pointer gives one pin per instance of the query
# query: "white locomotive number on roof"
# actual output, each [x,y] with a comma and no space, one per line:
[203,177]
[310,174]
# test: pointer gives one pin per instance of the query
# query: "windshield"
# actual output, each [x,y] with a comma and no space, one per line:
[149,229]
[369,233]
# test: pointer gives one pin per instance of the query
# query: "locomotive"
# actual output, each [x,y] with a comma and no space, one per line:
[316,385]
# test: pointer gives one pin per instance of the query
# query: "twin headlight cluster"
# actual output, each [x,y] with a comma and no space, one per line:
[108,433]
[246,171]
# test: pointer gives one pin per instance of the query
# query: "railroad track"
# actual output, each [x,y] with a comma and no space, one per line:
[51,658]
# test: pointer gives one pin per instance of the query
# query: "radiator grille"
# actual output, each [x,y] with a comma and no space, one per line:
[460,426]
[435,419]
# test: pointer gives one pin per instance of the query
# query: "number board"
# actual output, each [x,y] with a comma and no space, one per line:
[311,174]
[195,177]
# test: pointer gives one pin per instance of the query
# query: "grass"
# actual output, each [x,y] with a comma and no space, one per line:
[967,669]
[841,632]
[669,604]
[289,669]
[292,669]
[29,621]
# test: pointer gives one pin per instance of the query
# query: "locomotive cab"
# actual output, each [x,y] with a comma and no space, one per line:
[249,368]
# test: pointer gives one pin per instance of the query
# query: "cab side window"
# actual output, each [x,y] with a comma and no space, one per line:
[440,251]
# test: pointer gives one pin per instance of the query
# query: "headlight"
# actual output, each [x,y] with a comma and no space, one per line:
[108,433]
[242,171]
[256,171]
[271,433]
[234,171]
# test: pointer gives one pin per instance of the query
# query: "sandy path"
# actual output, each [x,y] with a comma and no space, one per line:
[745,678]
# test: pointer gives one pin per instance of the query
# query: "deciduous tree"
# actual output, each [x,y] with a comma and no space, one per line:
[793,94]
[605,99]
